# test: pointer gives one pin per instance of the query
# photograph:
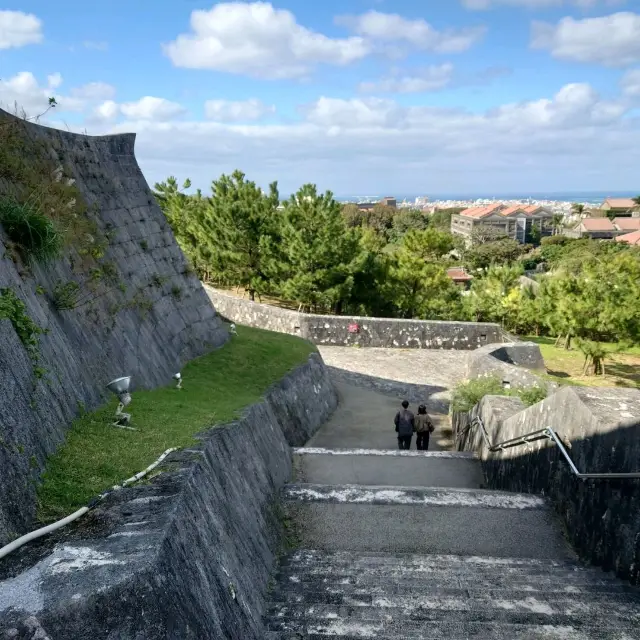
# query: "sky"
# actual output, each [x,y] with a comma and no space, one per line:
[357,96]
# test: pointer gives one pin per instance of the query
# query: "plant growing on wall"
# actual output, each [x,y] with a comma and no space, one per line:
[14,310]
[35,236]
[41,208]
[65,295]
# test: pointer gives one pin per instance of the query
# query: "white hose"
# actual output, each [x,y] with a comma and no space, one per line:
[16,544]
[38,533]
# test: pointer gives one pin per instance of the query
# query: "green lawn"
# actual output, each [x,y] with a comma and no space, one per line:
[216,387]
[565,366]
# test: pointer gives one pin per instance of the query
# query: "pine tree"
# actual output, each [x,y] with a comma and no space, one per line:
[318,250]
[418,283]
[241,220]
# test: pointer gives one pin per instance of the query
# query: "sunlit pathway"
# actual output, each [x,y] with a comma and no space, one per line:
[408,545]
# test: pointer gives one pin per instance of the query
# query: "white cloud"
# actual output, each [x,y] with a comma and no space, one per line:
[630,83]
[356,113]
[230,111]
[107,111]
[258,40]
[54,80]
[349,145]
[368,144]
[24,92]
[18,29]
[612,41]
[94,92]
[392,28]
[150,108]
[432,78]
[538,4]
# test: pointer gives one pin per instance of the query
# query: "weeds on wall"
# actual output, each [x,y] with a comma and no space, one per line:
[14,309]
[65,295]
[41,208]
[35,236]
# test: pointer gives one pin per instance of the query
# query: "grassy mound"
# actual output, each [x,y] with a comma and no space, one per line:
[217,387]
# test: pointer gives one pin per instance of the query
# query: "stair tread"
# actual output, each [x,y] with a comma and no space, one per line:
[459,629]
[411,495]
[391,470]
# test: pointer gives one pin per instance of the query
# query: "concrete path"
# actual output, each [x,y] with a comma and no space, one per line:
[408,545]
[364,420]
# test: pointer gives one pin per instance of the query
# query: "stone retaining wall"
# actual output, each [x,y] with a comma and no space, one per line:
[188,555]
[356,330]
[602,430]
[516,364]
[147,318]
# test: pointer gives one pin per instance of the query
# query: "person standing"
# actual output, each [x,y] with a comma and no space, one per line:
[424,428]
[405,426]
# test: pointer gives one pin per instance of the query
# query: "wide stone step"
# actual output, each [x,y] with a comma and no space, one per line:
[460,527]
[427,604]
[347,629]
[413,453]
[371,569]
[425,496]
[388,467]
[373,585]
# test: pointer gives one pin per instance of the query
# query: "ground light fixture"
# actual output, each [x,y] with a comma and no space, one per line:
[120,388]
[232,329]
[178,377]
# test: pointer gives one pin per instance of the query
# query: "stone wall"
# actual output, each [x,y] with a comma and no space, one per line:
[151,317]
[372,332]
[517,364]
[602,428]
[188,555]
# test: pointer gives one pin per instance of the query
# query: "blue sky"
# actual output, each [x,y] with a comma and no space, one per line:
[359,96]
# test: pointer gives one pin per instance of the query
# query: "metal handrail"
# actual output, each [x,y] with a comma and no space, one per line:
[548,434]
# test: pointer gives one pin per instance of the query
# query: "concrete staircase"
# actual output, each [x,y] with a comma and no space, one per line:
[407,545]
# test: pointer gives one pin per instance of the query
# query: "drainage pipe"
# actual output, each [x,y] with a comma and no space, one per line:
[38,533]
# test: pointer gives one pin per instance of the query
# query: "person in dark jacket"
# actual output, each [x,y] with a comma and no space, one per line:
[424,427]
[405,426]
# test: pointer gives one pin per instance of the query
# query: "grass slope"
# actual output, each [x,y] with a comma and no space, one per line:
[217,387]
[565,366]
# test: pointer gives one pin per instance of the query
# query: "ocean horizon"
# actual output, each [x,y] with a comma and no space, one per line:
[591,197]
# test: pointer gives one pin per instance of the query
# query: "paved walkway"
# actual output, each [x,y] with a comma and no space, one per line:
[399,545]
[372,383]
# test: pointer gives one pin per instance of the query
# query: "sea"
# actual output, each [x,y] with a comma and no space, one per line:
[588,197]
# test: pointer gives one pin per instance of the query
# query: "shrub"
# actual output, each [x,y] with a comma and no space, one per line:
[65,295]
[532,395]
[467,394]
[35,235]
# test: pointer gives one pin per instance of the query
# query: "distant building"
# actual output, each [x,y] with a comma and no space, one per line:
[630,238]
[387,202]
[618,206]
[603,228]
[627,224]
[460,276]
[515,221]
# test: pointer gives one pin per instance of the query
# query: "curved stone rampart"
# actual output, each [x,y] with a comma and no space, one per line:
[151,316]
[188,555]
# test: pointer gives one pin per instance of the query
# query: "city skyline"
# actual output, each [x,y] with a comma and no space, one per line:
[501,97]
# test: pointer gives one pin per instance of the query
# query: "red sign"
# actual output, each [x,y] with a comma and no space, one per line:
[354,328]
